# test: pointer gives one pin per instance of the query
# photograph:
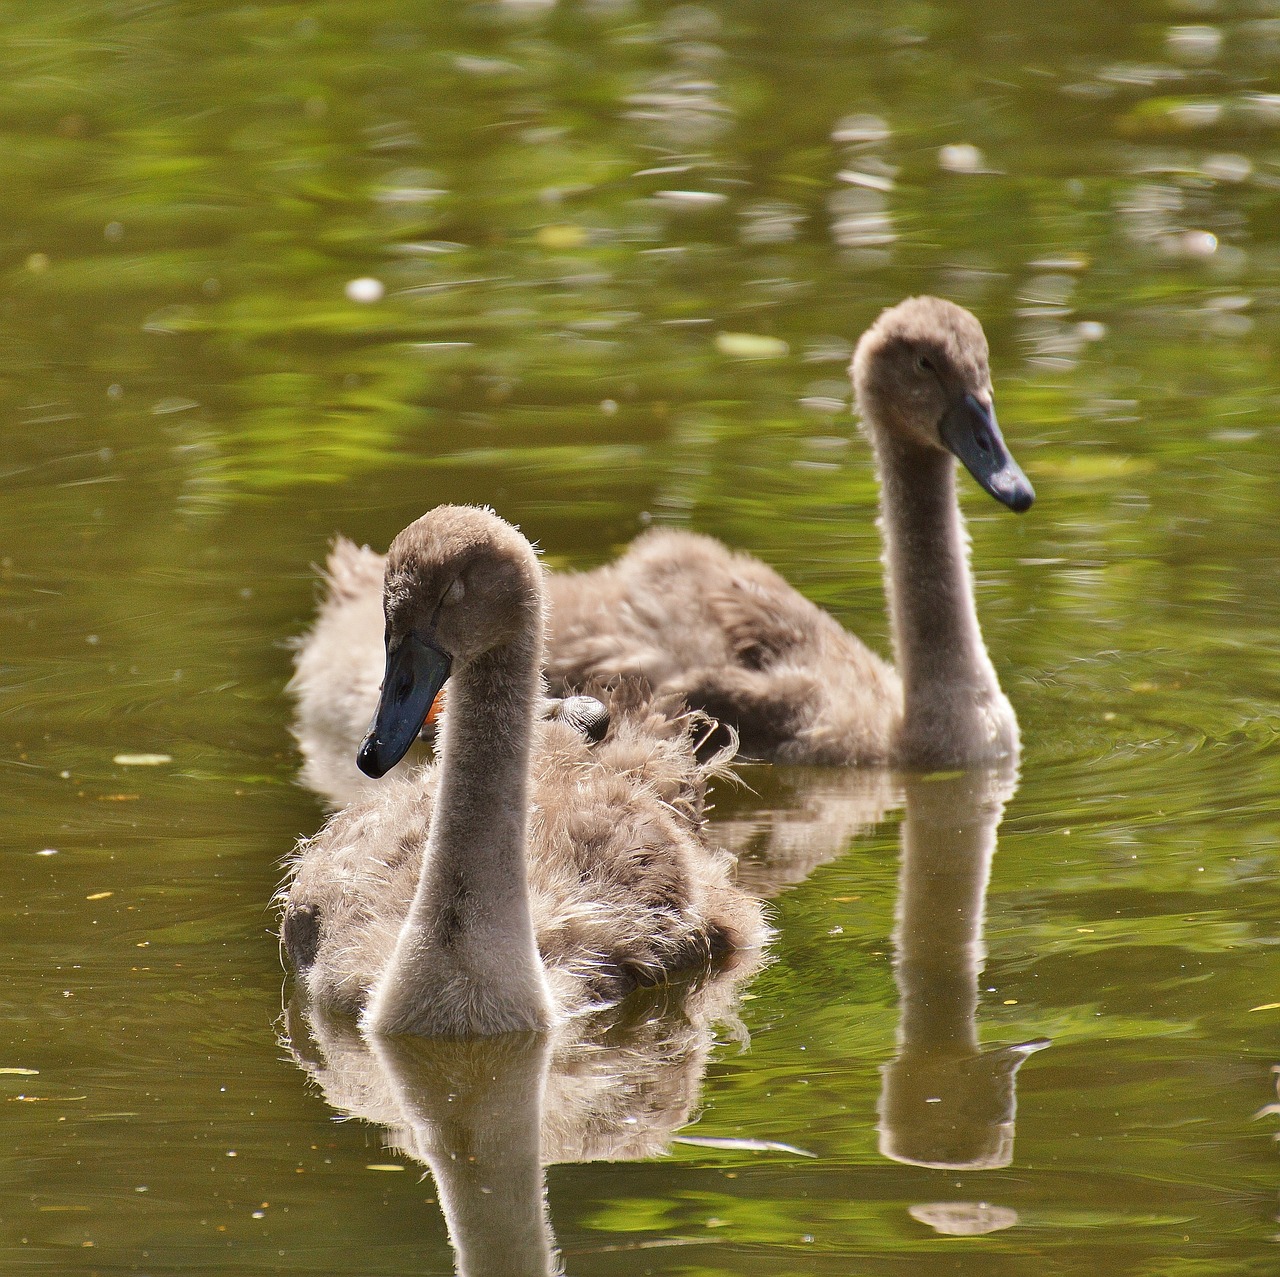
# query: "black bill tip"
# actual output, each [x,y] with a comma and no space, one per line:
[1012,488]
[970,431]
[416,671]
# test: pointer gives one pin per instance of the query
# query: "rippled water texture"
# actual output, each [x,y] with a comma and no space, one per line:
[277,270]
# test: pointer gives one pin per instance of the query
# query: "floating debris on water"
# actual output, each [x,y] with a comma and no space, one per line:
[743,1145]
[366,289]
[751,346]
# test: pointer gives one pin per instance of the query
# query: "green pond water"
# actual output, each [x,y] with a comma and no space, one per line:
[621,251]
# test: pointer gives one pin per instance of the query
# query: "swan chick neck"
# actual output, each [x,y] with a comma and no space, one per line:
[466,960]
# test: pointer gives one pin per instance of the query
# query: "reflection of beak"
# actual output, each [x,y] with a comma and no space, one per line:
[416,671]
[970,431]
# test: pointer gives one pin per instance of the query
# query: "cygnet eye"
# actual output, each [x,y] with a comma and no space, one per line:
[925,364]
[455,591]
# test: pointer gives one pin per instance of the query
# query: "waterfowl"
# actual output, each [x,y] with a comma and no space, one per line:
[528,873]
[336,675]
[338,671]
[728,635]
[731,637]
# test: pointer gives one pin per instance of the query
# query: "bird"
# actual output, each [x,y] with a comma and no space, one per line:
[725,633]
[731,637]
[338,672]
[527,874]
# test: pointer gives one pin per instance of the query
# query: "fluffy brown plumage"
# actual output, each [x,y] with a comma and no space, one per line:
[731,637]
[418,898]
[728,635]
[337,673]
[615,840]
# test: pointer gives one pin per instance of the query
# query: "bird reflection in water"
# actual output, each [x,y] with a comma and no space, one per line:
[486,1115]
[945,1102]
[783,823]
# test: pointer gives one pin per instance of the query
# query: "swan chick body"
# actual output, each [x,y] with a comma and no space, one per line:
[728,635]
[528,873]
[734,639]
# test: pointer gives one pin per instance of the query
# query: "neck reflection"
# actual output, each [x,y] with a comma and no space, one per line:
[944,1101]
[487,1115]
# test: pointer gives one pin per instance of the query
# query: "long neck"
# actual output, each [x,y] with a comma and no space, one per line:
[950,690]
[466,961]
[479,822]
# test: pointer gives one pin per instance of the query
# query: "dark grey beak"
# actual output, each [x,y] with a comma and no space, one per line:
[970,431]
[416,671]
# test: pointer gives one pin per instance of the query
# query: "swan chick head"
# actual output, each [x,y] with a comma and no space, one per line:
[921,377]
[462,579]
[460,582]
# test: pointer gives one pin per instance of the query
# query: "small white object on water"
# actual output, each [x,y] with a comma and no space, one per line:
[744,1145]
[1227,167]
[868,181]
[1199,244]
[751,346]
[861,130]
[366,289]
[1195,44]
[691,199]
[1195,115]
[961,157]
[176,403]
[141,760]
